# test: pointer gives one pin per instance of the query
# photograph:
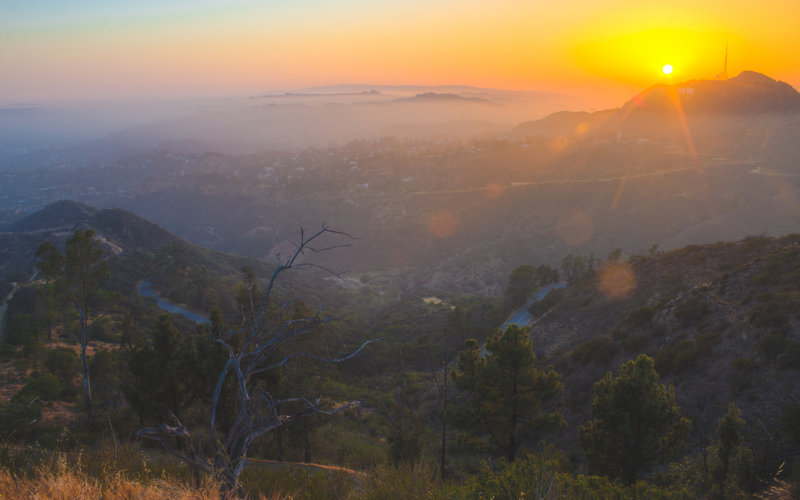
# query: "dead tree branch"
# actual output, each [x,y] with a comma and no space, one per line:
[260,342]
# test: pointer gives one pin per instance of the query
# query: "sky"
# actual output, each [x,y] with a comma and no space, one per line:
[56,50]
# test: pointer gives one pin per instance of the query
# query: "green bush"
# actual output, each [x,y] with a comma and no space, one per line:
[634,343]
[692,311]
[598,350]
[7,352]
[775,309]
[45,387]
[535,477]
[705,342]
[790,358]
[772,345]
[741,373]
[790,421]
[781,268]
[752,243]
[20,329]
[676,358]
[639,317]
[102,330]
[15,422]
[63,362]
[636,318]
[658,330]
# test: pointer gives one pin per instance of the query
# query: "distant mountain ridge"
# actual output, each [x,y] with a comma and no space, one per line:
[126,236]
[749,92]
[67,216]
[59,215]
[664,108]
[429,97]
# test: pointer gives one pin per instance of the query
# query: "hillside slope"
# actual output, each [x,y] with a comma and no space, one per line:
[722,322]
[137,248]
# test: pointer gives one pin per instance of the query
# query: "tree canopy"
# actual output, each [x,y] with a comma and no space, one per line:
[78,275]
[636,422]
[505,389]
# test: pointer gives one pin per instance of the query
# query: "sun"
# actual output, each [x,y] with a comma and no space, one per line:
[667,69]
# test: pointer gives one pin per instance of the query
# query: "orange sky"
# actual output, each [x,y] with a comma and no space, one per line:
[52,50]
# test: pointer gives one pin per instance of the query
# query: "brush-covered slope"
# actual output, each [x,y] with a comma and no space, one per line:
[722,322]
[138,248]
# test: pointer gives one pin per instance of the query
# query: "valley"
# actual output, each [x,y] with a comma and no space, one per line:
[615,238]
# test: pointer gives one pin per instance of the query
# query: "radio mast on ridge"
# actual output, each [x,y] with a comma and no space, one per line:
[724,74]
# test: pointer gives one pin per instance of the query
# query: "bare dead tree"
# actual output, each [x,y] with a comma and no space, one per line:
[260,343]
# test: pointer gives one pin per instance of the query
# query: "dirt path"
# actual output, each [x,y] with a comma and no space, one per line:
[308,466]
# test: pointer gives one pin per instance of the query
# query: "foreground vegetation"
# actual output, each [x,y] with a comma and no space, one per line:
[127,472]
[445,405]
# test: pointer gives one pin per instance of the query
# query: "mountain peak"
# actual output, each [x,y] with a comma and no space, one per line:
[749,92]
[748,76]
[434,97]
[60,214]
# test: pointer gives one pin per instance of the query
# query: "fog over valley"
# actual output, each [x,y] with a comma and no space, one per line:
[287,120]
[448,188]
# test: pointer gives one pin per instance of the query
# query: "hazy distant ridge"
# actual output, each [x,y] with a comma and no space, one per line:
[658,111]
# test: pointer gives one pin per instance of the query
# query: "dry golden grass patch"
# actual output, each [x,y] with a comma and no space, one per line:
[70,485]
[60,412]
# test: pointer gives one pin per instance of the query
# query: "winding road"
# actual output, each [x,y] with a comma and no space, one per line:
[521,316]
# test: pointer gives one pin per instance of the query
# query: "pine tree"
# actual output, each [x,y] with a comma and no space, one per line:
[78,276]
[729,458]
[161,372]
[521,283]
[506,390]
[636,422]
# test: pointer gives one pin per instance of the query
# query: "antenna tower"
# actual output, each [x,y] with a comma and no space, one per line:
[724,74]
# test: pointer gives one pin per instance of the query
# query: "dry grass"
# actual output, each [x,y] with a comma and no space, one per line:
[70,485]
[64,478]
[60,412]
[126,472]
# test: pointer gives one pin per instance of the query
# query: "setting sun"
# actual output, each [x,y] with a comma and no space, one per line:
[667,69]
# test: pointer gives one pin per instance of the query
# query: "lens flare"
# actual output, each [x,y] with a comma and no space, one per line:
[443,224]
[558,144]
[616,280]
[575,228]
[492,191]
[582,128]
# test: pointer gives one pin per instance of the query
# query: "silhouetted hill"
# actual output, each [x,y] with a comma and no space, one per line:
[750,92]
[563,123]
[62,214]
[129,240]
[434,97]
[128,230]
[696,106]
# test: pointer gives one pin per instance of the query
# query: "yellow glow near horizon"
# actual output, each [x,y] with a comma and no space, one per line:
[618,47]
[632,57]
